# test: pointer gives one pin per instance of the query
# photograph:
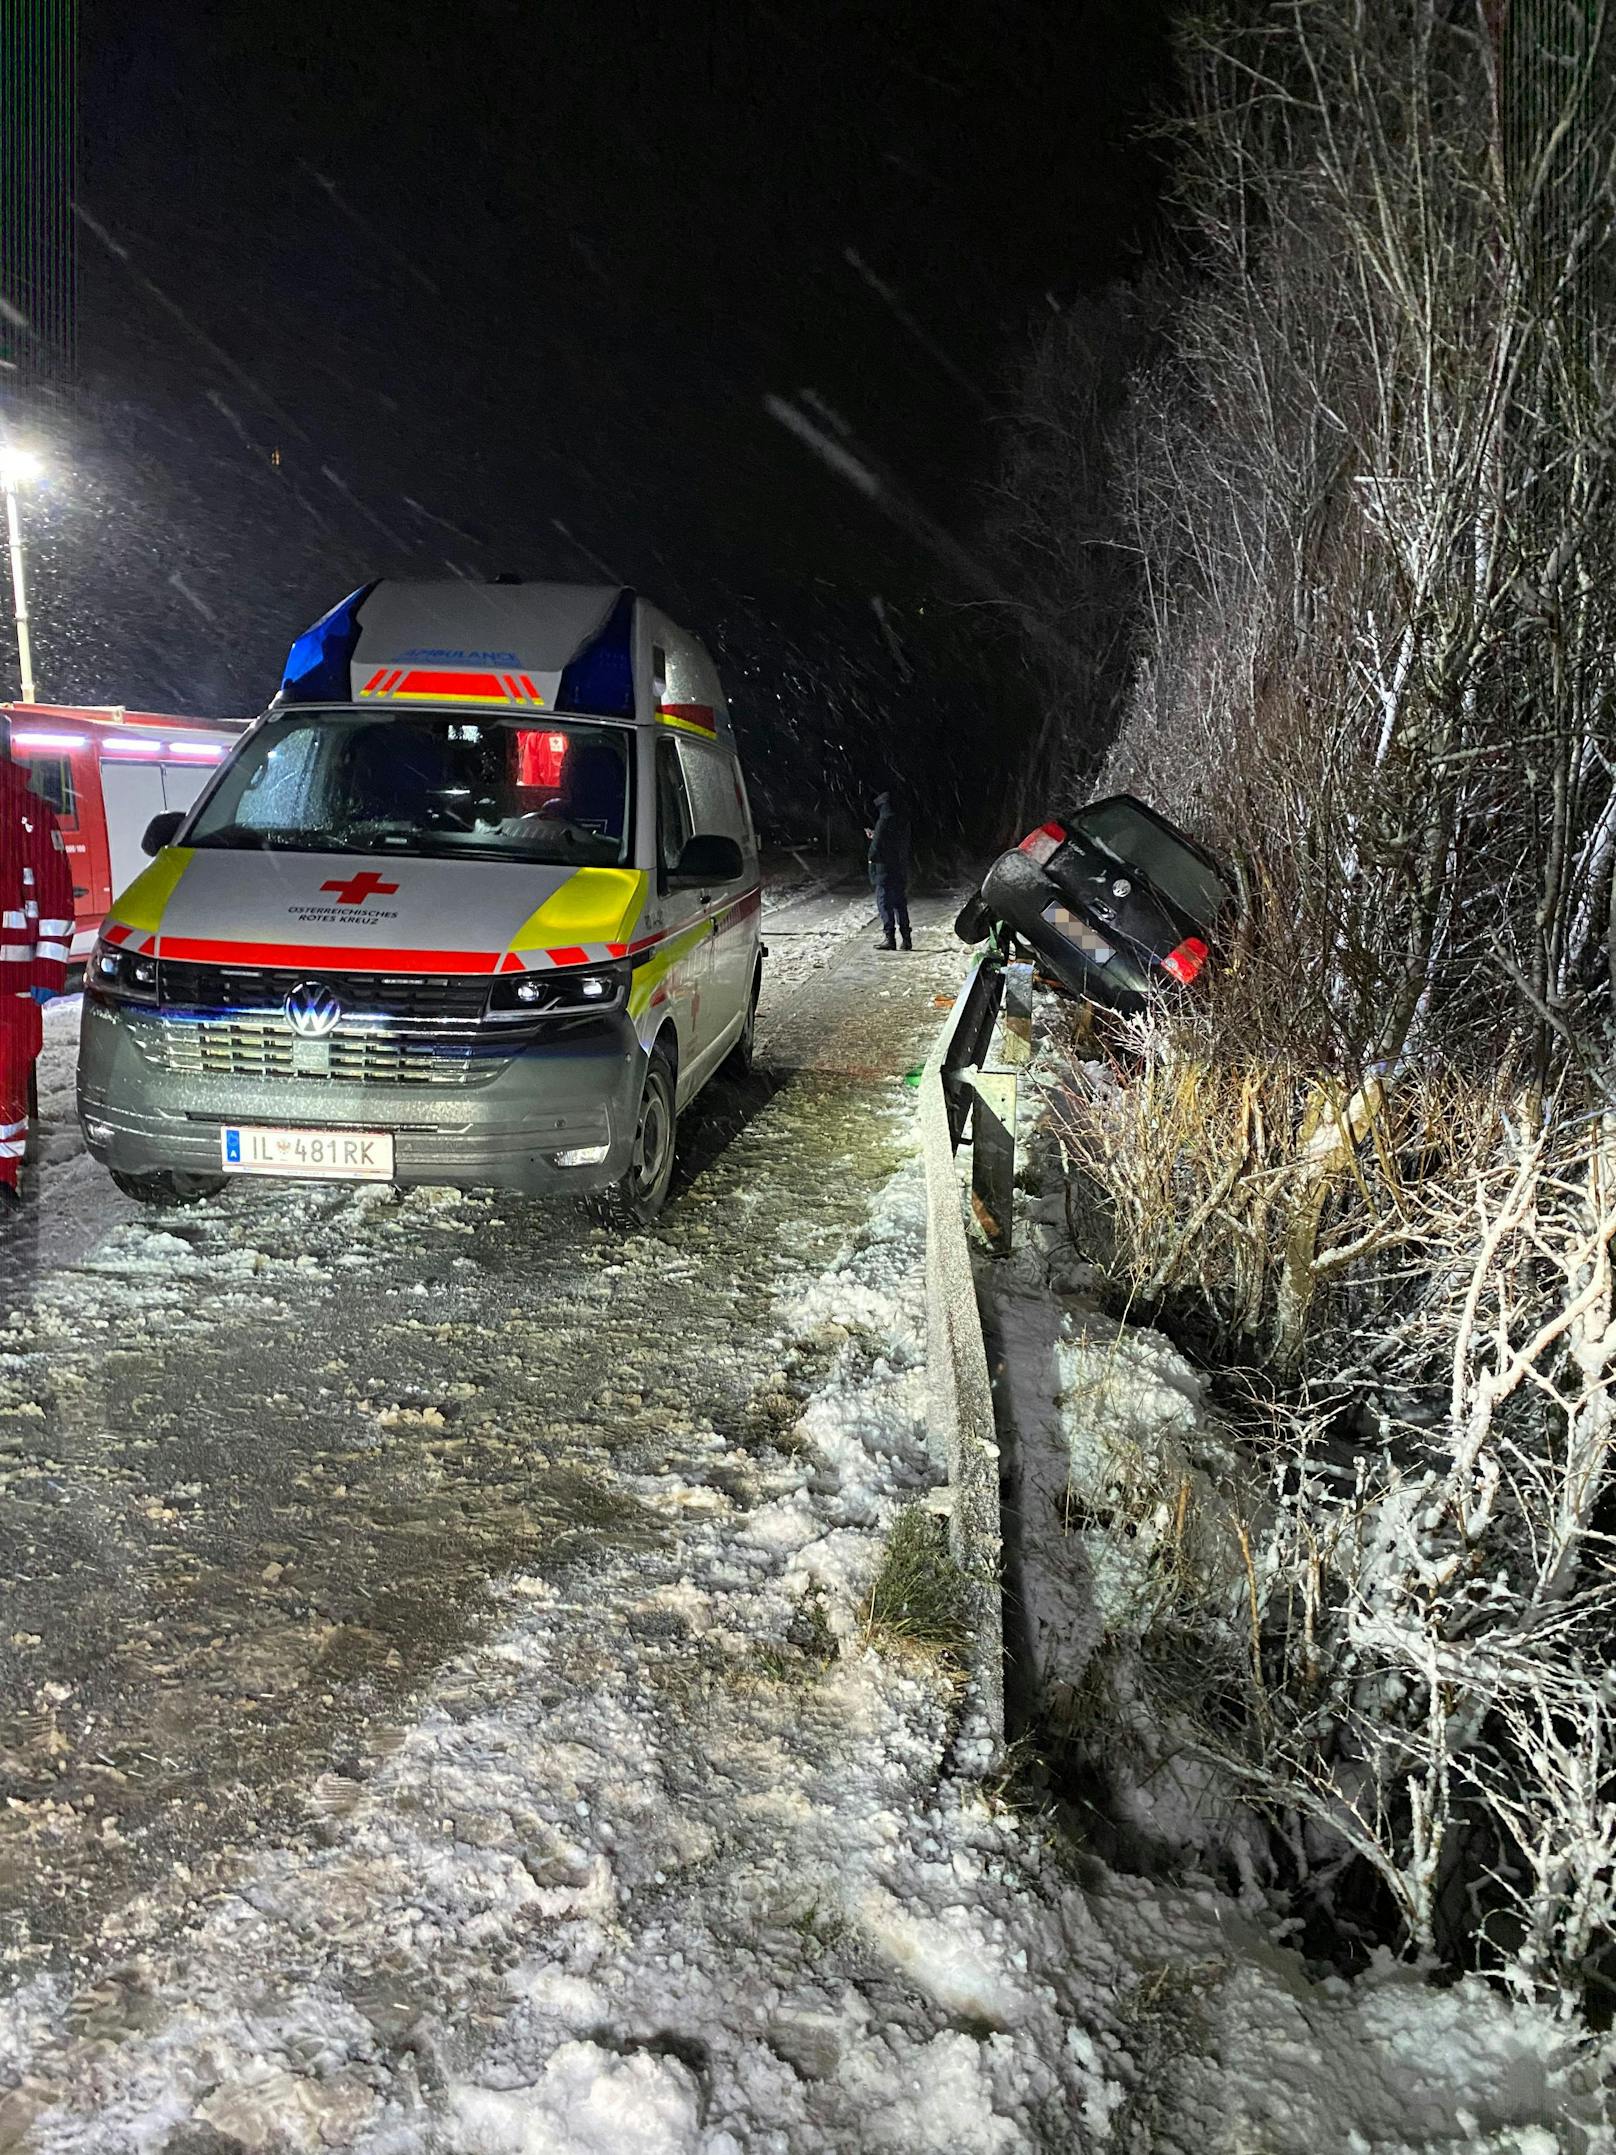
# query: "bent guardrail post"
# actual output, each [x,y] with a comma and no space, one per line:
[993,1115]
[963,1045]
[982,1102]
[993,1156]
[1015,1043]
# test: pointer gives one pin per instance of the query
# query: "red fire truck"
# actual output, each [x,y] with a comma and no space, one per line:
[106,772]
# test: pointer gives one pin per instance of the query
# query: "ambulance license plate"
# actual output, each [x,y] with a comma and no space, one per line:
[314,1155]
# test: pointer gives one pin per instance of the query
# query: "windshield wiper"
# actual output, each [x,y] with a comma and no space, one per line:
[242,838]
[508,849]
[418,846]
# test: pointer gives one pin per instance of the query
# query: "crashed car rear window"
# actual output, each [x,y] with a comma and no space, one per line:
[1182,877]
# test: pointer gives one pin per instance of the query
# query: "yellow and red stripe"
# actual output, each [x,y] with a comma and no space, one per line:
[420,684]
[697,718]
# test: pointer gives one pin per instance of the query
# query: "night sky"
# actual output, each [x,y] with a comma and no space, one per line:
[503,286]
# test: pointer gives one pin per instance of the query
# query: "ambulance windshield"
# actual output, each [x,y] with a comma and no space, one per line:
[445,784]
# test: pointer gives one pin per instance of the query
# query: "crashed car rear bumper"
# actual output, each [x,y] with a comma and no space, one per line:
[1018,892]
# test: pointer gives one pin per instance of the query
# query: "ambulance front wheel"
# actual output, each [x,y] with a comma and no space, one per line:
[643,1190]
[162,1188]
[738,1062]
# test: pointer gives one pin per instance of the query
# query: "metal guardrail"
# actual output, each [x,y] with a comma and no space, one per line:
[959,1097]
[981,1093]
[964,1040]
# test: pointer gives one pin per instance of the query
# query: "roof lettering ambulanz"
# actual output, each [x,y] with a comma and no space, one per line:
[473,658]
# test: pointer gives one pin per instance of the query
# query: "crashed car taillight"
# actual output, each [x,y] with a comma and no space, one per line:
[1041,843]
[1186,961]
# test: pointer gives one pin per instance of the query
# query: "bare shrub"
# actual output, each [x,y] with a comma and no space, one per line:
[1429,1591]
[1369,484]
[1367,481]
[1435,1610]
[1250,1191]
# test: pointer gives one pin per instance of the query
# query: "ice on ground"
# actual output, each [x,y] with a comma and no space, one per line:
[592,2101]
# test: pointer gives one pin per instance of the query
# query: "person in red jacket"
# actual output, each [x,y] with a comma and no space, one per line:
[36,929]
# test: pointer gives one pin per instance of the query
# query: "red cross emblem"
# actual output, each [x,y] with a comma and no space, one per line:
[360,887]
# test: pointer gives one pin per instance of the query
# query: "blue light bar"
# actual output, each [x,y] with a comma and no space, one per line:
[317,664]
[600,679]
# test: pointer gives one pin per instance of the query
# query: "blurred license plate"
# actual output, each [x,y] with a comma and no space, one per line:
[1065,922]
[341,1155]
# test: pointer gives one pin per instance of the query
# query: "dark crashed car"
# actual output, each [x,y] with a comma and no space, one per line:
[1113,902]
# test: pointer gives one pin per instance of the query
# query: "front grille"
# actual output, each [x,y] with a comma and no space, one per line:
[396,1029]
[251,1046]
[236,988]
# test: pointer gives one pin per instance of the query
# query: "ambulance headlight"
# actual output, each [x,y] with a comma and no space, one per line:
[122,976]
[582,1156]
[564,991]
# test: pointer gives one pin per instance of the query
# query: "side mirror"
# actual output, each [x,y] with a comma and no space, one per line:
[160,831]
[707,858]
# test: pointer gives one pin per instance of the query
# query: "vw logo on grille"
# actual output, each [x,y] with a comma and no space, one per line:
[312,1010]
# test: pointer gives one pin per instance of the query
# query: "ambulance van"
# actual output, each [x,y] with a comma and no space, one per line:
[475,902]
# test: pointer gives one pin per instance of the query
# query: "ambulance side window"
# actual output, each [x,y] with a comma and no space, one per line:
[714,797]
[673,807]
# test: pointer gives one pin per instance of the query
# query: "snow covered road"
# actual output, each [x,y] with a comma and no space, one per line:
[274,1466]
[260,1458]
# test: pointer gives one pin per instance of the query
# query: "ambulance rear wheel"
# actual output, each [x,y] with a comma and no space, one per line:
[643,1191]
[161,1188]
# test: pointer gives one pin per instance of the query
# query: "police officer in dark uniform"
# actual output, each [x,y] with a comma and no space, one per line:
[889,871]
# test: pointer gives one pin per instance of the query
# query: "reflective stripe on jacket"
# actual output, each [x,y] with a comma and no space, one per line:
[36,890]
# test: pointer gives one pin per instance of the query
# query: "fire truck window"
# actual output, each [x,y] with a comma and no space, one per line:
[51,777]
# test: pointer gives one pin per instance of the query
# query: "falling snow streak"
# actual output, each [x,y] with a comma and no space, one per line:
[38,146]
[377,238]
[922,336]
[172,308]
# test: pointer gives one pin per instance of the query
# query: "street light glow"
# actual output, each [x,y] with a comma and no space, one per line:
[17,466]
